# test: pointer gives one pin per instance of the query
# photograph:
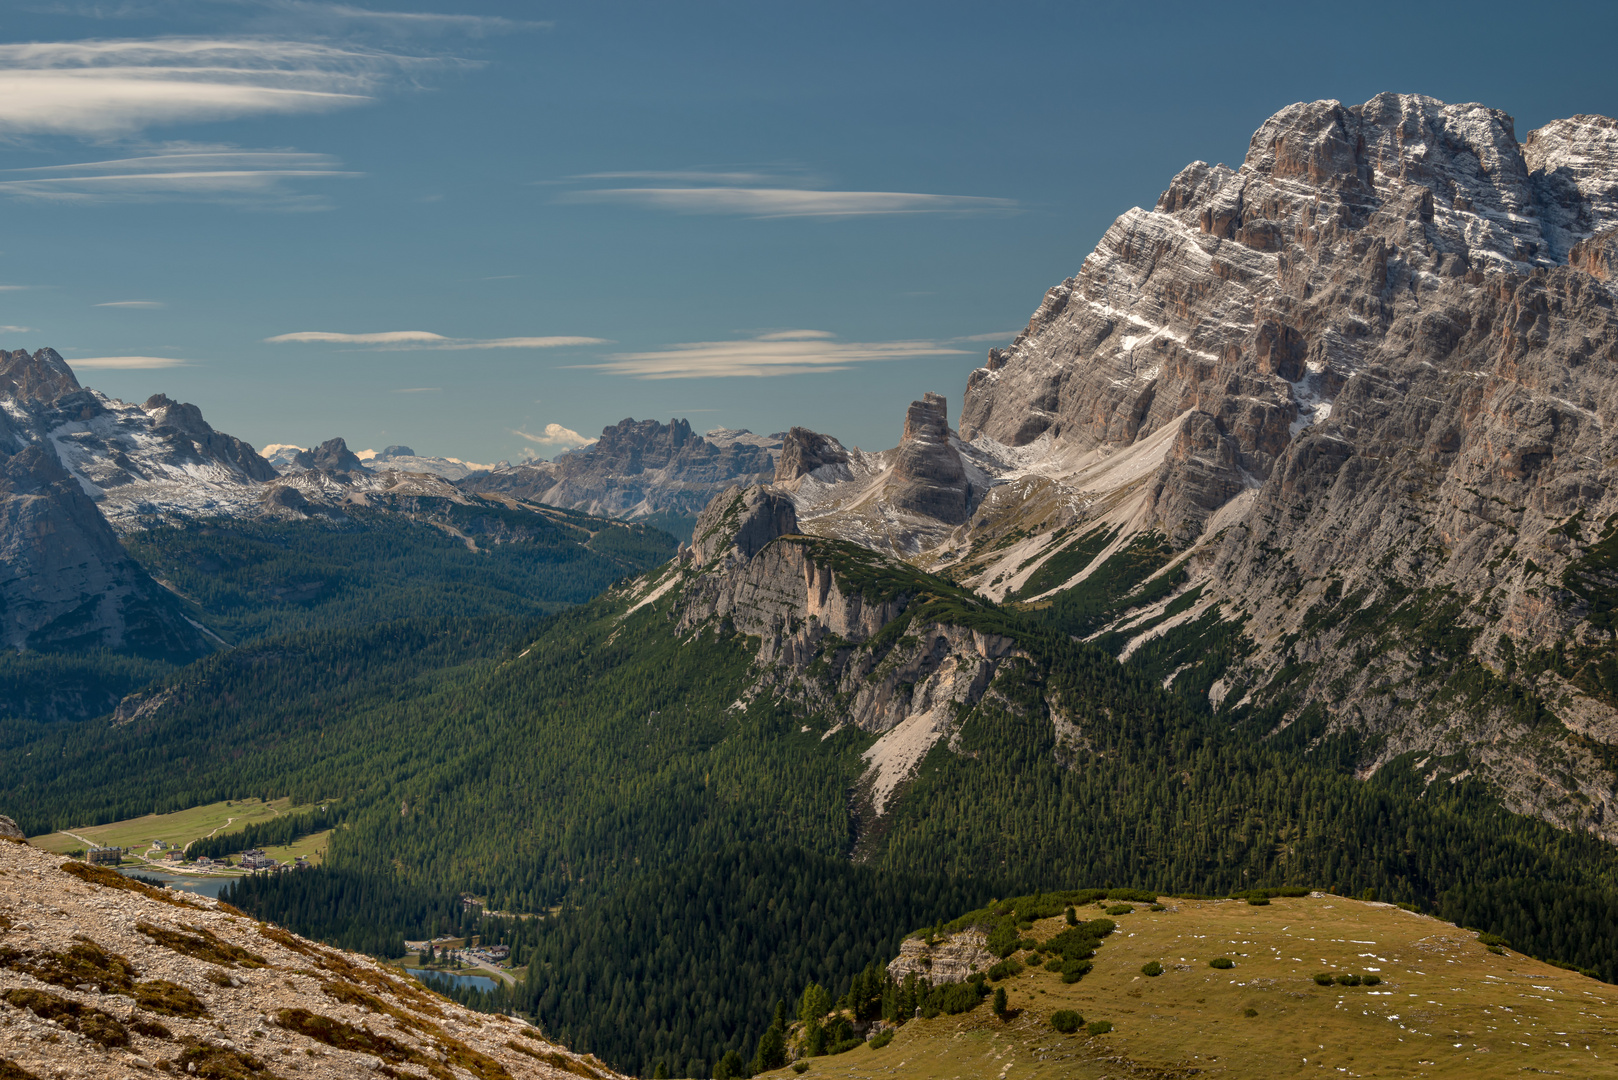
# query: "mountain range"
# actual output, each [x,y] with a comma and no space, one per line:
[1279,548]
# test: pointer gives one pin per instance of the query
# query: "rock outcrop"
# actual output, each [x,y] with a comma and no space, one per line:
[333,455]
[103,976]
[949,960]
[805,452]
[928,476]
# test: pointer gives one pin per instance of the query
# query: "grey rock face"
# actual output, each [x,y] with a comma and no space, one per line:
[9,829]
[333,455]
[1382,356]
[928,476]
[638,468]
[804,451]
[65,581]
[739,522]
[181,422]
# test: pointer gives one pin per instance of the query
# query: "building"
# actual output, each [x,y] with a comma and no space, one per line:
[104,856]
[257,860]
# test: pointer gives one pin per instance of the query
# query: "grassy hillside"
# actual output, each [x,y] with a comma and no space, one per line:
[1446,1006]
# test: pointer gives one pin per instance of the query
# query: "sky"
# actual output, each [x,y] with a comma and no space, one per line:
[487,229]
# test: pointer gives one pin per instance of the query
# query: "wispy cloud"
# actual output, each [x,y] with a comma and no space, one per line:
[127,363]
[104,88]
[264,178]
[1001,335]
[17,330]
[132,304]
[407,21]
[553,435]
[14,288]
[691,176]
[422,339]
[418,390]
[760,202]
[790,352]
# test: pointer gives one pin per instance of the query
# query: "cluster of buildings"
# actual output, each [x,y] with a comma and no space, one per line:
[474,953]
[253,859]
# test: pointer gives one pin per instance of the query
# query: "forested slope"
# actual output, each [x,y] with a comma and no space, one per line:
[618,751]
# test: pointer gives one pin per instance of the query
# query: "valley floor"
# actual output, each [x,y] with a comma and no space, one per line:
[1446,1007]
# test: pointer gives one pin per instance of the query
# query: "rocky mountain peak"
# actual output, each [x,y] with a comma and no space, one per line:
[803,451]
[928,475]
[738,522]
[333,455]
[40,377]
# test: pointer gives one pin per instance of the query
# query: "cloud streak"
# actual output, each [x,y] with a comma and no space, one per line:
[126,363]
[132,304]
[185,171]
[105,88]
[761,202]
[791,352]
[422,339]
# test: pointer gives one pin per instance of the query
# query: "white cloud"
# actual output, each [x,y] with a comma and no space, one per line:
[132,304]
[422,339]
[690,176]
[418,390]
[17,330]
[428,21]
[554,435]
[14,288]
[1002,335]
[126,363]
[181,171]
[760,202]
[791,352]
[102,88]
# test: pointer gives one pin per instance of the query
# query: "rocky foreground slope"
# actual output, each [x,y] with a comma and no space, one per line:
[101,976]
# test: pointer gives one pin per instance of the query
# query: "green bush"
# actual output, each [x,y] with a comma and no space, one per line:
[1493,939]
[1323,978]
[1348,979]
[1028,943]
[1002,1004]
[843,1046]
[1054,964]
[1074,970]
[1258,900]
[1005,969]
[1249,1012]
[800,1066]
[1157,907]
[1072,915]
[880,1039]
[1222,963]
[1120,909]
[1151,969]
[1373,980]
[1099,1027]
[1066,1021]
[1497,950]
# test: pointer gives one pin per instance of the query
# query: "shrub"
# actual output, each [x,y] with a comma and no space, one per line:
[1493,939]
[1028,943]
[1157,907]
[1066,1021]
[1074,970]
[1323,978]
[843,1046]
[1497,950]
[1005,969]
[1250,1012]
[880,1039]
[1373,980]
[1223,963]
[1099,1027]
[1120,909]
[800,1066]
[1025,925]
[1258,900]
[1002,1004]
[1348,979]
[1072,915]
[1151,969]
[1054,964]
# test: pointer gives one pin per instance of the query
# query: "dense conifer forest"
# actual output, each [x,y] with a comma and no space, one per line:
[685,858]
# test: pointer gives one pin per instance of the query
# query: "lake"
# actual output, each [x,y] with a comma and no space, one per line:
[476,982]
[202,886]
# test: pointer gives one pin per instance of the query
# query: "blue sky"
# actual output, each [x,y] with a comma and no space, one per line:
[463,226]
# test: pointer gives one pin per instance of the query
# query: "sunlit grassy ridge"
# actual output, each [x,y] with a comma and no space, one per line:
[1445,1007]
